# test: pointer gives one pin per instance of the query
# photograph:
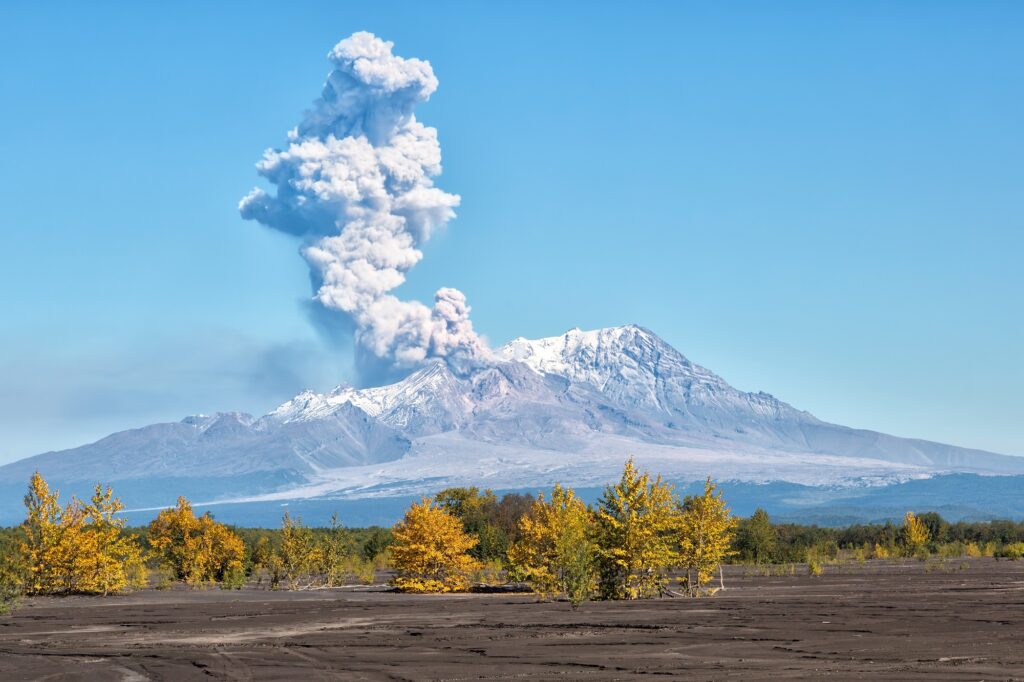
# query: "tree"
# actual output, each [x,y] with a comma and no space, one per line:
[756,538]
[915,534]
[430,551]
[636,520]
[494,522]
[938,527]
[336,550]
[555,553]
[476,510]
[43,548]
[376,544]
[80,548]
[197,550]
[705,535]
[106,560]
[301,556]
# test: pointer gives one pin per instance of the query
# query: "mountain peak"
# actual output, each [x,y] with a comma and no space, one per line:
[577,353]
[637,369]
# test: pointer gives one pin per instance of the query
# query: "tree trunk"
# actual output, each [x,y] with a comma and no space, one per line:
[721,578]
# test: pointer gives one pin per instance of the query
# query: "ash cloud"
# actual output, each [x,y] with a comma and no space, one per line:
[355,183]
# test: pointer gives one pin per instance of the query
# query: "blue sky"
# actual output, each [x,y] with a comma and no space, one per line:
[819,200]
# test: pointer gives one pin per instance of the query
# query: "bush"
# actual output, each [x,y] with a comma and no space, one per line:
[163,578]
[234,579]
[1013,551]
[952,550]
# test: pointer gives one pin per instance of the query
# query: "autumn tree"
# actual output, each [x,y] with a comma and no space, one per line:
[430,551]
[80,548]
[301,555]
[556,553]
[705,537]
[337,553]
[44,548]
[915,534]
[106,560]
[196,549]
[635,528]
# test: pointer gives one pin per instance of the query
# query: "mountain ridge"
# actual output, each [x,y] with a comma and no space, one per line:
[568,408]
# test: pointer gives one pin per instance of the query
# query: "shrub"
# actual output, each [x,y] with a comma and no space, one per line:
[234,578]
[1013,551]
[952,550]
[364,572]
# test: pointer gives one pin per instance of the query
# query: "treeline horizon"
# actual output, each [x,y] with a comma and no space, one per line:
[624,546]
[793,538]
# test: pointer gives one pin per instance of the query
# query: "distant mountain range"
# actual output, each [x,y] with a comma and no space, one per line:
[569,408]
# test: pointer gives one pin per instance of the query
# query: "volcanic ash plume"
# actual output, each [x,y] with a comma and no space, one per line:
[355,182]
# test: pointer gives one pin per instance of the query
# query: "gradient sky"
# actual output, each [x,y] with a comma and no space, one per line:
[819,200]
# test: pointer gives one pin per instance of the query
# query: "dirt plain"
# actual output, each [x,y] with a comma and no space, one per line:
[962,620]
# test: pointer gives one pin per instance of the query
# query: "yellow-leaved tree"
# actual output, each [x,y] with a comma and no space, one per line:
[197,549]
[556,553]
[106,559]
[43,548]
[79,548]
[430,551]
[300,556]
[915,534]
[635,529]
[705,537]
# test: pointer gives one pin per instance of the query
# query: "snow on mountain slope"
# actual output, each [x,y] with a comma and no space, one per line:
[429,400]
[568,408]
[221,445]
[635,368]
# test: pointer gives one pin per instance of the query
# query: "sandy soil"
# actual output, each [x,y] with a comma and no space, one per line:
[873,621]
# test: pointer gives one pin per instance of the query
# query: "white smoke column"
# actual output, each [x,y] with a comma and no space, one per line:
[355,182]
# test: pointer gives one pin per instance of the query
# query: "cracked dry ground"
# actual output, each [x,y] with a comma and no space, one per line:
[878,621]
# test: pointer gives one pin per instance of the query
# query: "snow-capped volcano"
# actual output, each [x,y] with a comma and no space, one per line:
[634,368]
[569,408]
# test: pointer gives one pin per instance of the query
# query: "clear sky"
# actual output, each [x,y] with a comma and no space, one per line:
[818,200]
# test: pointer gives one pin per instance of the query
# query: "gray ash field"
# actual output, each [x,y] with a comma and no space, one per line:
[893,620]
